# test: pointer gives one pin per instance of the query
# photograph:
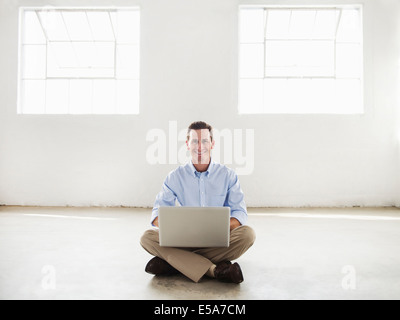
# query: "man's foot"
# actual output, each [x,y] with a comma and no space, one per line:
[211,272]
[160,267]
[225,272]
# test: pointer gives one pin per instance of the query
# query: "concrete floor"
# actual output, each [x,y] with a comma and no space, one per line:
[94,253]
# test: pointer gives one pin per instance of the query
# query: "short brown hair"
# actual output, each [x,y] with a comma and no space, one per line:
[197,125]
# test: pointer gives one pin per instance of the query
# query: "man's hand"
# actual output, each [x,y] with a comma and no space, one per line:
[155,222]
[235,223]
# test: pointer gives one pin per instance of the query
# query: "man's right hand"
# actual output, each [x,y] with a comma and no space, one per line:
[155,222]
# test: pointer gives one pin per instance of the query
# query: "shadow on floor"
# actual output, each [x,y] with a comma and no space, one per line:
[180,287]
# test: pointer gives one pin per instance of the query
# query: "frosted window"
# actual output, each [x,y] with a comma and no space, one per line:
[251,94]
[127,92]
[80,96]
[34,61]
[53,25]
[278,24]
[33,96]
[308,61]
[81,56]
[57,96]
[325,24]
[77,25]
[104,96]
[100,26]
[302,24]
[252,30]
[128,62]
[252,60]
[300,58]
[34,33]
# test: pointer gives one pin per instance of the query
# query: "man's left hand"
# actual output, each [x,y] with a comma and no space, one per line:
[234,223]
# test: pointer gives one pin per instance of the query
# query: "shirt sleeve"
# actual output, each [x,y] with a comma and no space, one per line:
[235,200]
[166,198]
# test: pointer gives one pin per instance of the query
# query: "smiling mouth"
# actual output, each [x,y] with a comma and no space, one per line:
[201,153]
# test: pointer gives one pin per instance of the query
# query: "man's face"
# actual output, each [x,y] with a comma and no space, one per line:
[200,145]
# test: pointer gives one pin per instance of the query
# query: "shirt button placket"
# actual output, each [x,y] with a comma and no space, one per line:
[202,192]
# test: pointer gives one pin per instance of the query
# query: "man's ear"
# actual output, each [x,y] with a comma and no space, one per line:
[187,144]
[212,144]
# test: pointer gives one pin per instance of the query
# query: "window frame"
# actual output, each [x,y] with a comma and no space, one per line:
[115,42]
[266,7]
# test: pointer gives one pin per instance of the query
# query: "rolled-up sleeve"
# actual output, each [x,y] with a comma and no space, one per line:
[166,198]
[235,200]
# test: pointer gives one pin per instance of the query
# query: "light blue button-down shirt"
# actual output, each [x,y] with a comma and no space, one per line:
[217,187]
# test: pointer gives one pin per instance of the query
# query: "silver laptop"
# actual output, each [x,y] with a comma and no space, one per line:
[194,227]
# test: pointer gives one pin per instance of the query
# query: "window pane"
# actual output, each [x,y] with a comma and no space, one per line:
[33,32]
[321,96]
[77,25]
[33,96]
[75,53]
[278,55]
[278,22]
[307,68]
[81,59]
[300,91]
[100,23]
[299,58]
[127,96]
[86,54]
[96,59]
[348,96]
[302,24]
[251,25]
[349,27]
[325,24]
[275,95]
[319,58]
[80,96]
[61,59]
[251,96]
[126,26]
[306,96]
[128,62]
[252,61]
[57,97]
[104,96]
[348,60]
[34,62]
[54,25]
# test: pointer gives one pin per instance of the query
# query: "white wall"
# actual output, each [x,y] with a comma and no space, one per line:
[189,72]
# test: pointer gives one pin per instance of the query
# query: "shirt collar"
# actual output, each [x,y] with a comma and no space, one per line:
[207,173]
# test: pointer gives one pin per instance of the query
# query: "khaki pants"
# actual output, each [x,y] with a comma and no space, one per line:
[194,263]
